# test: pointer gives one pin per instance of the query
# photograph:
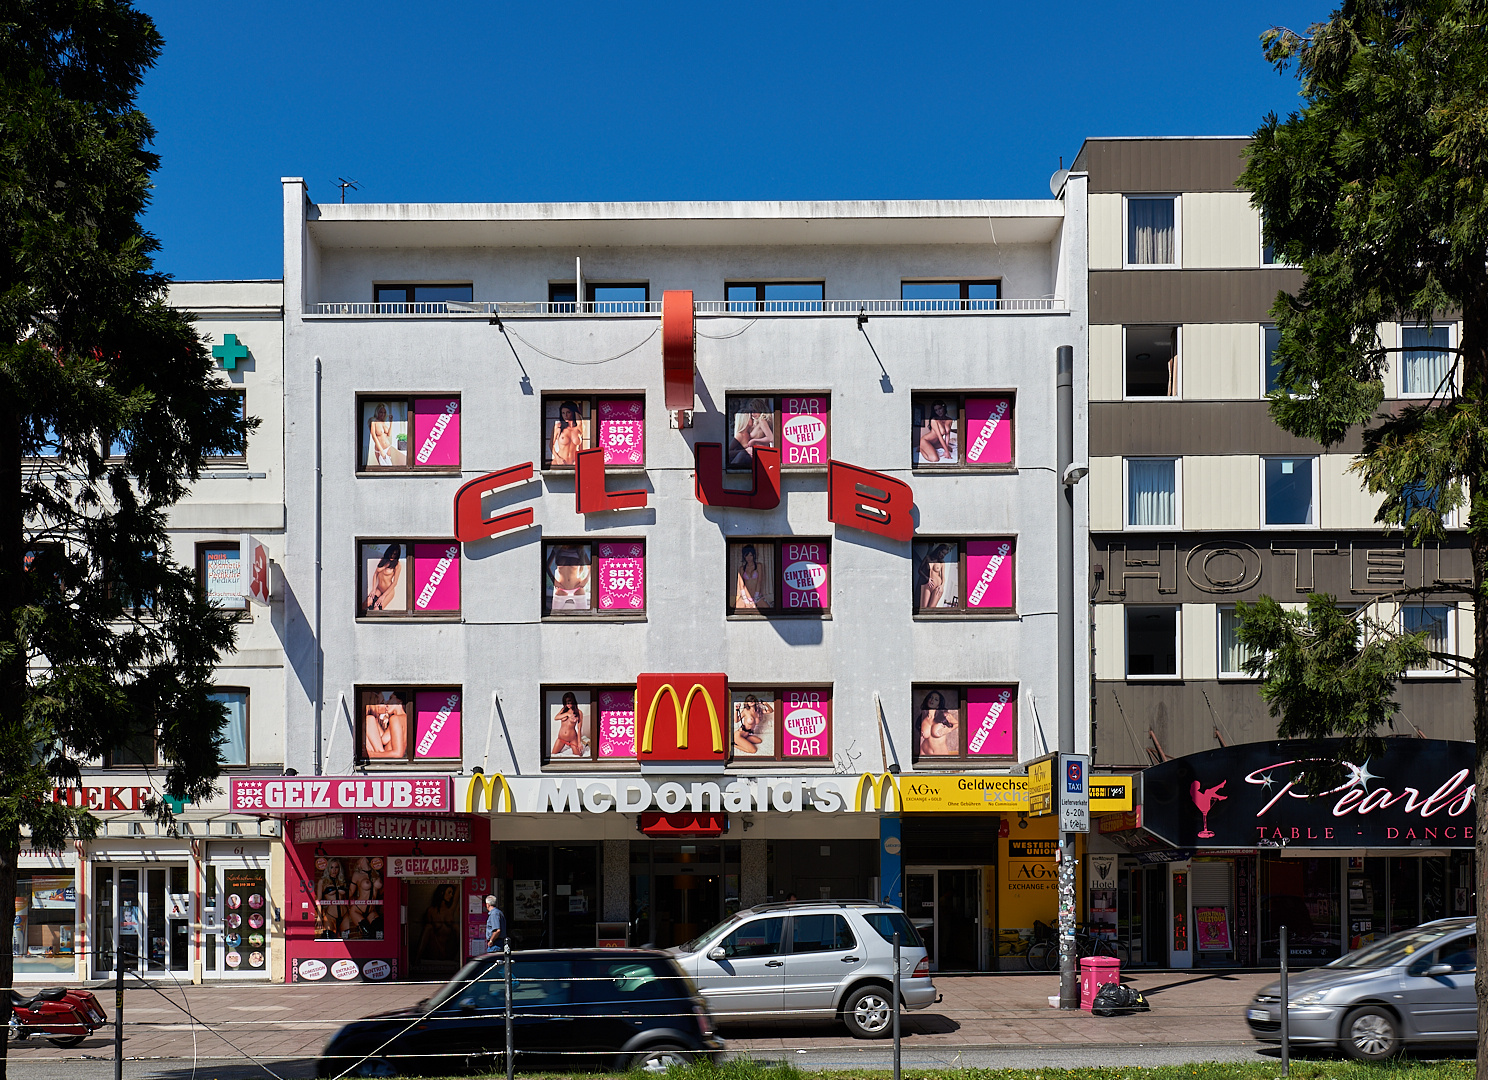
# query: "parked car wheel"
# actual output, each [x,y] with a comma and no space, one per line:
[659,1058]
[1370,1034]
[66,1042]
[869,1012]
[374,1067]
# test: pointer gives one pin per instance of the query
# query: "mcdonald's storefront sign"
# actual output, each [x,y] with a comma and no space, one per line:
[682,719]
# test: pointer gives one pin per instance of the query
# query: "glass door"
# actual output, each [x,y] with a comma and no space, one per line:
[919,905]
[944,904]
[131,926]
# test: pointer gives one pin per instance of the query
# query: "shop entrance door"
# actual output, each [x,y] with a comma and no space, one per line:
[945,905]
[146,912]
[433,926]
[1154,924]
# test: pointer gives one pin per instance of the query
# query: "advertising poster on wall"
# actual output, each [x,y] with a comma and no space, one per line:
[753,722]
[53,893]
[990,721]
[622,577]
[937,575]
[805,575]
[311,969]
[617,724]
[433,925]
[1212,928]
[803,431]
[937,720]
[567,423]
[385,434]
[436,432]
[989,575]
[936,439]
[247,898]
[570,724]
[751,423]
[385,723]
[566,577]
[806,724]
[223,567]
[752,576]
[527,900]
[436,728]
[989,431]
[436,577]
[622,432]
[384,582]
[348,898]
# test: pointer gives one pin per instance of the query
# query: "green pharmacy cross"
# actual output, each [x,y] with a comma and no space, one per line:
[229,352]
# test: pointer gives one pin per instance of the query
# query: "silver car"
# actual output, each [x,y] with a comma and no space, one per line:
[828,958]
[1412,987]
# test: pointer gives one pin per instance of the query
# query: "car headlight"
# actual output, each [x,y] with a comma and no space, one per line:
[1312,997]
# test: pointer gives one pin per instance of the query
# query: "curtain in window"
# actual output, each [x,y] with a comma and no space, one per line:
[1149,232]
[1232,651]
[1425,361]
[1432,619]
[234,749]
[1151,490]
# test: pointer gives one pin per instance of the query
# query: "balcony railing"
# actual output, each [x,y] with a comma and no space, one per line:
[520,308]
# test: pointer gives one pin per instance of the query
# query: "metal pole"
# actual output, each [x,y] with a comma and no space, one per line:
[1069,969]
[896,1006]
[511,1060]
[1286,1005]
[118,1014]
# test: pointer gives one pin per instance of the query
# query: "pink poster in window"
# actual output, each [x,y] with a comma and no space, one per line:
[622,432]
[622,577]
[989,721]
[436,577]
[989,431]
[805,575]
[803,430]
[806,725]
[436,716]
[617,723]
[989,574]
[436,431]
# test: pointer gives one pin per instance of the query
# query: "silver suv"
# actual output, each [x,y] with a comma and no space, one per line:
[825,958]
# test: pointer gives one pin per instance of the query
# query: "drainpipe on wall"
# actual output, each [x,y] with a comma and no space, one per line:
[1069,972]
[319,651]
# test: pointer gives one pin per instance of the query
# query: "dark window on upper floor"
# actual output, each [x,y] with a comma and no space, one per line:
[969,295]
[1151,361]
[775,295]
[601,298]
[433,295]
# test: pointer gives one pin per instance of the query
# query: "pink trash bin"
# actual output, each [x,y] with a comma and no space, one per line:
[1095,972]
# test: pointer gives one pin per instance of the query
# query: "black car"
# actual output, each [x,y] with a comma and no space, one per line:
[571,1009]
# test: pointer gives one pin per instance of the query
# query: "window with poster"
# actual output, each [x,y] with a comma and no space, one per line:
[798,423]
[615,423]
[219,574]
[952,430]
[408,578]
[957,576]
[349,894]
[775,578]
[605,578]
[42,936]
[407,724]
[588,723]
[956,724]
[780,723]
[407,433]
[246,920]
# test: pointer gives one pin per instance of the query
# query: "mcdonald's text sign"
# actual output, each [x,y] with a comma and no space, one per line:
[682,719]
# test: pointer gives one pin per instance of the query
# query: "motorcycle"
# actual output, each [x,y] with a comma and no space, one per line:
[61,1015]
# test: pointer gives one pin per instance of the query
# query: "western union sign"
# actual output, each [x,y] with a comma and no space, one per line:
[998,794]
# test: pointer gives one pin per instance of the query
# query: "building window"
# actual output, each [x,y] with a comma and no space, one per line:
[1287,487]
[1151,493]
[601,298]
[574,422]
[413,299]
[242,396]
[409,724]
[387,444]
[219,574]
[1151,361]
[1151,642]
[775,295]
[1151,230]
[1270,366]
[233,750]
[126,586]
[573,714]
[136,748]
[1437,622]
[804,730]
[594,577]
[942,424]
[972,295]
[1425,363]
[409,577]
[779,577]
[954,577]
[798,424]
[957,723]
[1233,653]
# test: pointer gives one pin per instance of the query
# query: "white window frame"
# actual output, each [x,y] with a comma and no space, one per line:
[1177,494]
[1316,492]
[1177,395]
[1265,366]
[1400,329]
[1177,263]
[1221,673]
[1261,244]
[1447,672]
[1126,616]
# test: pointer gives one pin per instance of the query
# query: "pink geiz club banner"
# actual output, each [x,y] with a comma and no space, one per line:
[989,721]
[616,724]
[989,431]
[989,574]
[436,577]
[805,575]
[436,431]
[437,724]
[622,577]
[803,430]
[622,432]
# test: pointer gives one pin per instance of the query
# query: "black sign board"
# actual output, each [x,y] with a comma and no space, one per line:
[1418,794]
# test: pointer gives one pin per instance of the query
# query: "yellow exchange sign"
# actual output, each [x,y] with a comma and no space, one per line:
[998,794]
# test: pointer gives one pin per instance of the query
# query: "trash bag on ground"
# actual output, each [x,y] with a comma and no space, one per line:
[1113,999]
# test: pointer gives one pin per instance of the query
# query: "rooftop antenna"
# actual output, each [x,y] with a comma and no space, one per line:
[343,184]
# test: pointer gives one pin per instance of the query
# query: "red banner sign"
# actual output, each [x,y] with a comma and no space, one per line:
[280,794]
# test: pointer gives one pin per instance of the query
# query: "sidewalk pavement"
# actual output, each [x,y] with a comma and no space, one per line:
[294,1020]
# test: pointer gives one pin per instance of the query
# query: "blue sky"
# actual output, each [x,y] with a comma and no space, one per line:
[475,102]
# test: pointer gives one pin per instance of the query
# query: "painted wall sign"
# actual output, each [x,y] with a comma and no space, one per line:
[685,716]
[312,830]
[1420,792]
[409,866]
[395,827]
[259,794]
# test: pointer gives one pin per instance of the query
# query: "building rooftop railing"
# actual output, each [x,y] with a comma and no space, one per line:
[541,308]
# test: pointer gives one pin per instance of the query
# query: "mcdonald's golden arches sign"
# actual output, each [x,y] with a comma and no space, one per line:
[682,719]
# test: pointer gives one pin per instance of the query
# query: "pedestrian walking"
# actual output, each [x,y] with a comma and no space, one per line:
[495,924]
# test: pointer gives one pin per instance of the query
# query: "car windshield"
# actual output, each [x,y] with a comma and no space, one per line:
[889,923]
[468,974]
[697,943]
[1395,949]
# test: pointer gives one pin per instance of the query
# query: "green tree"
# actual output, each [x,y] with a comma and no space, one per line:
[108,404]
[1378,188]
